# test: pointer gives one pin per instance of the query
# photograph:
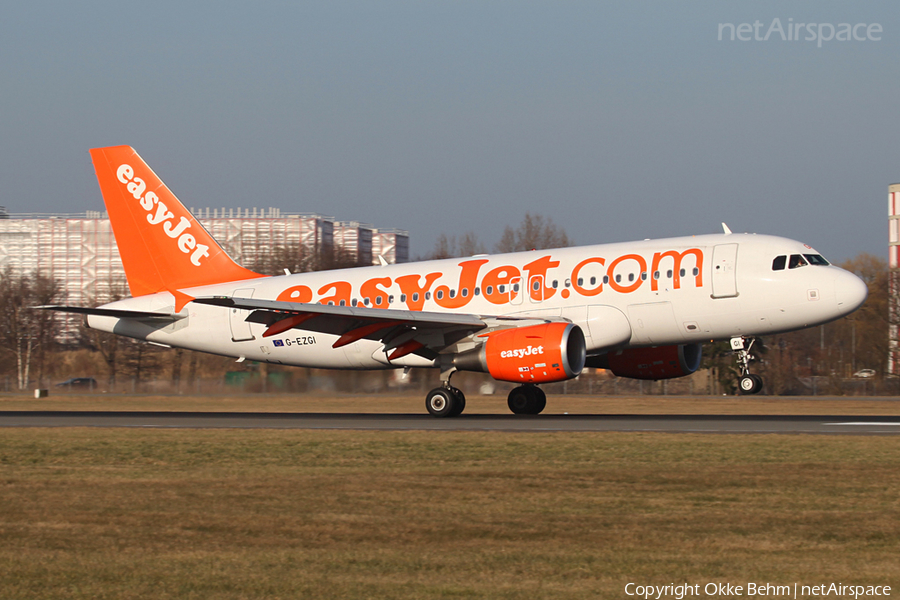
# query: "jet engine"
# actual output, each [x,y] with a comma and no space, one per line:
[533,354]
[658,362]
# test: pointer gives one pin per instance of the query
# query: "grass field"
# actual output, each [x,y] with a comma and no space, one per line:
[111,513]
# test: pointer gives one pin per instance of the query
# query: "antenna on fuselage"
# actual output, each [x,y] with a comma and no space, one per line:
[725,229]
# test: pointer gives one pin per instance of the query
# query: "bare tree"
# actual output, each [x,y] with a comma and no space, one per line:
[863,335]
[24,332]
[535,233]
[451,247]
[107,344]
[140,360]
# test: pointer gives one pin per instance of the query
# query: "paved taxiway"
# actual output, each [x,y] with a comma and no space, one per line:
[842,425]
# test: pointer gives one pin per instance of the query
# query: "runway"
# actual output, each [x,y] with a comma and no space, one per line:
[722,424]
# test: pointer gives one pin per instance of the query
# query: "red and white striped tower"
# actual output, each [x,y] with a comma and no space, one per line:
[893,367]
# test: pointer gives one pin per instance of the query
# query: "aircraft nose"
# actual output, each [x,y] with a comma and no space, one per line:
[850,291]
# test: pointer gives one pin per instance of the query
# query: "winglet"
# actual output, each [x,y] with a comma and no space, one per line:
[725,229]
[163,247]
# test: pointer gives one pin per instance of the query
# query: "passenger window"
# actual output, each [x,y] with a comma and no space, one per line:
[428,295]
[593,280]
[439,295]
[415,297]
[489,290]
[796,261]
[696,271]
[655,274]
[778,263]
[465,292]
[669,273]
[402,297]
[606,279]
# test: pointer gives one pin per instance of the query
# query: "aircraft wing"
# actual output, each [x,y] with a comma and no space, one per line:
[402,331]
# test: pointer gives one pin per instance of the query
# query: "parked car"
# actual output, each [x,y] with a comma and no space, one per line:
[78,383]
[865,373]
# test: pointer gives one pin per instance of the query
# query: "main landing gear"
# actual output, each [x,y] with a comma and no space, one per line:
[748,383]
[445,402]
[527,400]
[448,401]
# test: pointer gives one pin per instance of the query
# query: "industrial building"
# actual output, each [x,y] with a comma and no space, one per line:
[80,252]
[893,366]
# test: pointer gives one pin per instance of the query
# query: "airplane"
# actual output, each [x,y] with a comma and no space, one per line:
[640,309]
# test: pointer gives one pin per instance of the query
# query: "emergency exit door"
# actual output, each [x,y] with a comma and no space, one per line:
[240,328]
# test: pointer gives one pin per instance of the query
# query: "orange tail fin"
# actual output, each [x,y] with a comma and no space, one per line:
[162,245]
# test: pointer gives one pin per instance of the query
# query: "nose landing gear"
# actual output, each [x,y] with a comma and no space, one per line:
[748,383]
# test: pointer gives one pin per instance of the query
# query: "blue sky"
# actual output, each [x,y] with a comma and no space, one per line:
[620,121]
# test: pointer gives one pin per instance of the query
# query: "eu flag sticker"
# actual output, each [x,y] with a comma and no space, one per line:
[278,343]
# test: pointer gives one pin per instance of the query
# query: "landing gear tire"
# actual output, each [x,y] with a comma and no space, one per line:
[540,401]
[750,384]
[527,400]
[460,404]
[442,403]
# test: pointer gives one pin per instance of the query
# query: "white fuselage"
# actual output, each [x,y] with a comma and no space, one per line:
[647,293]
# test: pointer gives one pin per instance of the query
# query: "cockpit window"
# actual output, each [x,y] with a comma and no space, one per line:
[778,263]
[817,260]
[797,261]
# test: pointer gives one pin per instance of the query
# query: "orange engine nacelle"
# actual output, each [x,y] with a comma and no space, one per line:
[533,354]
[660,362]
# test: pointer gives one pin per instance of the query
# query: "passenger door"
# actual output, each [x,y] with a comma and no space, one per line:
[724,271]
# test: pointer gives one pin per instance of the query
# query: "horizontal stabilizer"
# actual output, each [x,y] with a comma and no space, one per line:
[117,313]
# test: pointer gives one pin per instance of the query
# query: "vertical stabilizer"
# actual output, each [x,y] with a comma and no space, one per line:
[163,247]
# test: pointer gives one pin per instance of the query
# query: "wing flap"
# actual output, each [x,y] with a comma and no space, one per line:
[433,331]
[344,312]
